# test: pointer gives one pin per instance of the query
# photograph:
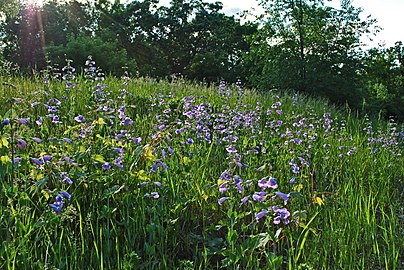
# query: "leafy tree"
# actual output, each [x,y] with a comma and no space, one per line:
[24,38]
[218,42]
[200,41]
[308,46]
[9,8]
[383,78]
[27,33]
[104,50]
[60,19]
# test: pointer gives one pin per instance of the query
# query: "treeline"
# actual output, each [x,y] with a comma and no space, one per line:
[296,44]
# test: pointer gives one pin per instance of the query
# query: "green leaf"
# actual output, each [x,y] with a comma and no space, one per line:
[4,141]
[99,158]
[295,194]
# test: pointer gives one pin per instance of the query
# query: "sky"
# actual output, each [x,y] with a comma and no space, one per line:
[389,14]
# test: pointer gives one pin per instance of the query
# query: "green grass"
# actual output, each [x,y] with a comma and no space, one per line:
[346,205]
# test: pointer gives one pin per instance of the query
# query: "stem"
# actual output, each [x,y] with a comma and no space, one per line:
[11,100]
[12,142]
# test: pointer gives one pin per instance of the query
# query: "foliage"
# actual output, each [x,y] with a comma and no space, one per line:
[384,78]
[78,48]
[308,46]
[121,173]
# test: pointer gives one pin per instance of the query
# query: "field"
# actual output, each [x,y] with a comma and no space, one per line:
[125,173]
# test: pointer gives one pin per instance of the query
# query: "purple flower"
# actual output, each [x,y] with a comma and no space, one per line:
[225,176]
[106,166]
[55,119]
[292,181]
[37,162]
[295,169]
[170,151]
[16,160]
[136,140]
[283,215]
[159,184]
[68,180]
[272,183]
[79,118]
[6,121]
[67,140]
[66,195]
[23,121]
[122,112]
[264,184]
[190,141]
[231,149]
[120,151]
[283,196]
[261,214]
[21,144]
[238,182]
[163,154]
[46,158]
[58,205]
[57,102]
[158,164]
[33,104]
[118,162]
[39,121]
[221,200]
[259,196]
[67,159]
[245,199]
[292,162]
[155,195]
[223,188]
[37,140]
[127,121]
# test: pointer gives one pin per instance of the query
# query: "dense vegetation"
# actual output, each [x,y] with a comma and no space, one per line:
[165,159]
[301,45]
[107,173]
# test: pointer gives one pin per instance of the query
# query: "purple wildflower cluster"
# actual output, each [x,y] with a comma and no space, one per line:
[60,201]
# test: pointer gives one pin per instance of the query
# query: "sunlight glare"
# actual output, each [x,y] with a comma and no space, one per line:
[38,3]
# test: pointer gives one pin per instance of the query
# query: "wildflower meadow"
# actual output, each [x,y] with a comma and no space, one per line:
[99,172]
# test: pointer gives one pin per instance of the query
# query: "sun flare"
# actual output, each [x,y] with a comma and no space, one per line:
[38,3]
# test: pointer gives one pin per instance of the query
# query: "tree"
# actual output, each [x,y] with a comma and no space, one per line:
[383,77]
[27,33]
[308,46]
[24,38]
[104,50]
[201,42]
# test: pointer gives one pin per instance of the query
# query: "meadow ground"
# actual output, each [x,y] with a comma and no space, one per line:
[121,173]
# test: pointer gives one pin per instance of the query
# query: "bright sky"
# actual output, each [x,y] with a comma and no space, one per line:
[389,13]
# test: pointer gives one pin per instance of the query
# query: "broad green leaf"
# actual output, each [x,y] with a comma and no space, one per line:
[99,158]
[4,141]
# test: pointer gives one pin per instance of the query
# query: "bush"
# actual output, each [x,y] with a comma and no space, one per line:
[104,49]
